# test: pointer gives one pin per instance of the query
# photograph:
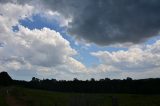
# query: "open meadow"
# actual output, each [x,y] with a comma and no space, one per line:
[17,96]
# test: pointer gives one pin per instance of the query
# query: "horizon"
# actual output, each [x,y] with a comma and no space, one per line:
[78,79]
[80,39]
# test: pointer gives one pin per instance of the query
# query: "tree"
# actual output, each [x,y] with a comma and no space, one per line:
[129,79]
[75,79]
[92,79]
[5,79]
[34,79]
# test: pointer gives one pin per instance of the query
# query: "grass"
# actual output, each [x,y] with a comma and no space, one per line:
[138,100]
[2,97]
[32,97]
[2,101]
[45,98]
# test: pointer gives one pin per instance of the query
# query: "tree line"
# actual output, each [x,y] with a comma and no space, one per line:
[128,85]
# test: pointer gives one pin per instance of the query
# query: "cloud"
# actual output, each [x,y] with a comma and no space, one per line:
[10,17]
[136,61]
[44,47]
[44,53]
[40,52]
[106,22]
[50,16]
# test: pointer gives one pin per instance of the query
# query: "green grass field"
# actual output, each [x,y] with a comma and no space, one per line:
[2,97]
[29,97]
[2,101]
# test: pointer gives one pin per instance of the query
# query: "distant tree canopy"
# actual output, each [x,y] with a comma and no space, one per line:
[106,85]
[5,79]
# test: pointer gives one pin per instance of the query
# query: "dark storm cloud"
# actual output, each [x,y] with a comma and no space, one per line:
[3,1]
[2,44]
[11,1]
[109,21]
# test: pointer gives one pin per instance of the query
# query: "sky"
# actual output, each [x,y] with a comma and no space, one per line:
[66,39]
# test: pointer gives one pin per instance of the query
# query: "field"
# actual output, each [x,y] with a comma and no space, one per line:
[17,96]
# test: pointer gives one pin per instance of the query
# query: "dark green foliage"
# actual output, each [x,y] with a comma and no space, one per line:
[5,79]
[141,86]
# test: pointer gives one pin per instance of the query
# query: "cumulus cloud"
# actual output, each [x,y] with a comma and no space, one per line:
[20,12]
[37,51]
[136,60]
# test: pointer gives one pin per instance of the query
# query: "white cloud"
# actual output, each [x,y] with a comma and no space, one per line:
[11,13]
[135,61]
[42,52]
[44,47]
[54,15]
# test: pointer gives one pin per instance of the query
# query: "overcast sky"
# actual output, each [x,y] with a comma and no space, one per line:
[66,39]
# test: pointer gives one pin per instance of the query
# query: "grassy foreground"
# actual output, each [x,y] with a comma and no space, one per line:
[29,97]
